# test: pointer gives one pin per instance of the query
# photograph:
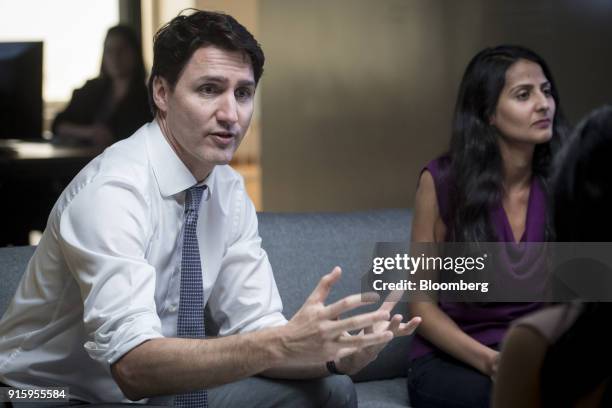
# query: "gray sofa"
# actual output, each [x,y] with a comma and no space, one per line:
[302,247]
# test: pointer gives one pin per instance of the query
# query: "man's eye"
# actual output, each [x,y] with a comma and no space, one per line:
[243,93]
[207,89]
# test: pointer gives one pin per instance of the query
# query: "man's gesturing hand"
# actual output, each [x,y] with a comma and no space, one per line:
[316,335]
[353,363]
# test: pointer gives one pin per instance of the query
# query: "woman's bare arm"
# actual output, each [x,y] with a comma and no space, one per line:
[437,327]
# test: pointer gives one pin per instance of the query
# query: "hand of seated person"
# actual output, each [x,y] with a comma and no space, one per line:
[490,363]
[96,134]
[317,334]
[100,135]
[353,363]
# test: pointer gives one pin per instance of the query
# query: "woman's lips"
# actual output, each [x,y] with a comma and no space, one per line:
[542,124]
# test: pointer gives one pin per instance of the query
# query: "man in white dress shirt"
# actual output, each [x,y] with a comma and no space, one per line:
[97,308]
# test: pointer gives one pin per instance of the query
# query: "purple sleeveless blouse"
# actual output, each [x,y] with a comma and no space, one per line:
[487,323]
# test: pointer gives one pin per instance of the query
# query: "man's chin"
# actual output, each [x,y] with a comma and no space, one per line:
[222,160]
[216,157]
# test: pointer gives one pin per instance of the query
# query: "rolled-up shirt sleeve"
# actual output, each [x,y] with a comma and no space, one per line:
[103,234]
[245,297]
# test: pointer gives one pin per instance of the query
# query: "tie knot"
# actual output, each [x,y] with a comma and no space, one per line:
[193,198]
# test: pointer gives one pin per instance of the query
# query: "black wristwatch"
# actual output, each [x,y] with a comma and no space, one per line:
[331,367]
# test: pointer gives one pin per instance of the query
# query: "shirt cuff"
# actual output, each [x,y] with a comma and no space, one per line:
[110,347]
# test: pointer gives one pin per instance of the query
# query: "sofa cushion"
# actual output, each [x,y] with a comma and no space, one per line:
[383,394]
[13,262]
[302,247]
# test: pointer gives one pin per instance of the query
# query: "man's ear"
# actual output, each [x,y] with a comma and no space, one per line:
[161,91]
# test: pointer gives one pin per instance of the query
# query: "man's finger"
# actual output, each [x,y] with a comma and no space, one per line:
[366,340]
[394,325]
[349,303]
[320,293]
[360,321]
[388,306]
[408,328]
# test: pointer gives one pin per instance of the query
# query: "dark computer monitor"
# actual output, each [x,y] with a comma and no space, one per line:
[21,90]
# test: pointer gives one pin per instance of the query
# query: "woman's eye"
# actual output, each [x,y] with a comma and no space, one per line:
[522,96]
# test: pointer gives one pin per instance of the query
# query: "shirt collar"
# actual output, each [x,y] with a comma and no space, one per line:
[170,172]
[207,182]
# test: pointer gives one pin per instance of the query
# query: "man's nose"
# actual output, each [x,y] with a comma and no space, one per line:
[227,111]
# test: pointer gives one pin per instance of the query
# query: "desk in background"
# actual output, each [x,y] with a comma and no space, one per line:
[32,176]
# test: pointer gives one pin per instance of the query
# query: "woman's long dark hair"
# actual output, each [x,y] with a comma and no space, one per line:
[475,160]
[129,35]
[582,193]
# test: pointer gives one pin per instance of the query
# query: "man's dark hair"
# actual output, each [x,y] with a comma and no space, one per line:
[175,43]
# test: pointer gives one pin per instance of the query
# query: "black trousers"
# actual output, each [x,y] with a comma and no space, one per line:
[437,380]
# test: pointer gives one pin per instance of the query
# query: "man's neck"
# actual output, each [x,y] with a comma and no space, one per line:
[198,171]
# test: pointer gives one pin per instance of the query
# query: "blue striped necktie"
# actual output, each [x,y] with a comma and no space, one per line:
[191,304]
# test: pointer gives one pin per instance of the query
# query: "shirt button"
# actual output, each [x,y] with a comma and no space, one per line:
[172,308]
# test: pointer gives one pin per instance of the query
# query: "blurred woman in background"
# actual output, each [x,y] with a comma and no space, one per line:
[113,105]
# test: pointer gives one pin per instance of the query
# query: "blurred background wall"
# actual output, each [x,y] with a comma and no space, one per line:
[358,95]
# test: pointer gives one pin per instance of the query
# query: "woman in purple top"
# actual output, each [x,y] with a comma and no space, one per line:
[491,186]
